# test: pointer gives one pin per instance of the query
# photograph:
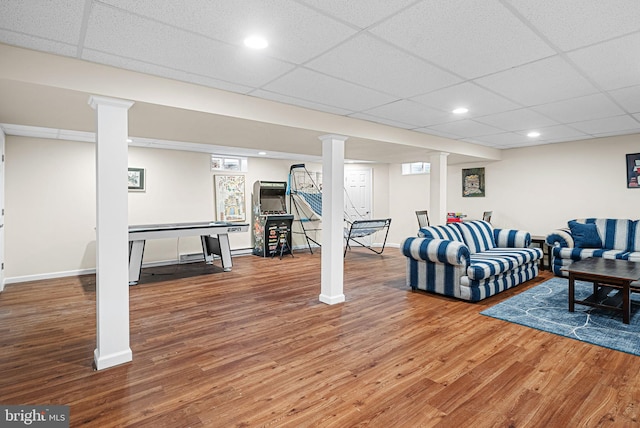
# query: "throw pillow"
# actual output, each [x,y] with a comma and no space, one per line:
[585,235]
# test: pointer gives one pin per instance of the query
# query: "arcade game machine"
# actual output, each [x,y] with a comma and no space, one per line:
[271,222]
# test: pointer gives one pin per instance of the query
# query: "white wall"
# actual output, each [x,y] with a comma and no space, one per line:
[50,196]
[540,188]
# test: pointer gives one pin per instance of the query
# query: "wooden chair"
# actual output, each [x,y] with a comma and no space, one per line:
[423,218]
[486,216]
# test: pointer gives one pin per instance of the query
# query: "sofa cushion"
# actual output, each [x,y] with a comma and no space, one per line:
[499,260]
[585,235]
[583,253]
[615,233]
[441,232]
[477,234]
[634,236]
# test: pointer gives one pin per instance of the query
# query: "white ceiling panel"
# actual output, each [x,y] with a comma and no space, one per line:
[547,80]
[371,62]
[572,24]
[56,20]
[466,128]
[115,32]
[362,13]
[609,125]
[517,120]
[295,32]
[319,88]
[479,101]
[579,109]
[517,65]
[613,64]
[409,112]
[506,139]
[471,39]
[628,98]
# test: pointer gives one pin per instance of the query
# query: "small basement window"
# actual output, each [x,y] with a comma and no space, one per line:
[228,163]
[416,168]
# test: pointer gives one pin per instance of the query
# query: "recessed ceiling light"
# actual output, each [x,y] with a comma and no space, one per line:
[256,42]
[460,110]
[533,134]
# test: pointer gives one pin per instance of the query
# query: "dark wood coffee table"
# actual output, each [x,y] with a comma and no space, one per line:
[606,276]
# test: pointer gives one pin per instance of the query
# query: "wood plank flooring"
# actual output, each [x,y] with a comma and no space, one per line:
[255,348]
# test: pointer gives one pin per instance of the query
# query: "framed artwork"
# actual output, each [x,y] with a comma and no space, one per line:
[137,179]
[473,185]
[633,171]
[229,196]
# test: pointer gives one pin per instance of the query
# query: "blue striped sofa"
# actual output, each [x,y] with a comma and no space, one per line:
[469,260]
[620,239]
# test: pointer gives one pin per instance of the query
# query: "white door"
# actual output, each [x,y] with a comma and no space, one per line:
[1,210]
[357,198]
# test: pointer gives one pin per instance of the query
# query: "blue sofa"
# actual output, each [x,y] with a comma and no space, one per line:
[608,238]
[469,260]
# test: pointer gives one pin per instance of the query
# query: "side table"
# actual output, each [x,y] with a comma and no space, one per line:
[541,242]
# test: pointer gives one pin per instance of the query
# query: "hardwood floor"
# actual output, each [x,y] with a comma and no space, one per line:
[255,347]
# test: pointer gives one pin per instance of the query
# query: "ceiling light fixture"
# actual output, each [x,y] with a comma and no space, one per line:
[262,153]
[460,110]
[256,42]
[533,134]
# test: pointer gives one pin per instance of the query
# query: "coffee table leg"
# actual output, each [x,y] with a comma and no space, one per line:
[571,292]
[626,303]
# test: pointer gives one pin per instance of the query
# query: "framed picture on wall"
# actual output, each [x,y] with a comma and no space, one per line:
[230,199]
[633,171]
[137,179]
[473,183]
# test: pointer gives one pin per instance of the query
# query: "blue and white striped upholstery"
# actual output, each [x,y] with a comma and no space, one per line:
[500,260]
[478,235]
[448,231]
[511,238]
[447,266]
[620,240]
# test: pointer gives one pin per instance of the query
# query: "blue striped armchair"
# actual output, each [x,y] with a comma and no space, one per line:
[469,260]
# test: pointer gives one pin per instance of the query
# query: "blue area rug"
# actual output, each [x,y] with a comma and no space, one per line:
[545,307]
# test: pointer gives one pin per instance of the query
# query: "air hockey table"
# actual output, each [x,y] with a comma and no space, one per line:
[214,236]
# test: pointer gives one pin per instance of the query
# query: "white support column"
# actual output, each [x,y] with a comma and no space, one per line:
[112,241]
[438,189]
[332,271]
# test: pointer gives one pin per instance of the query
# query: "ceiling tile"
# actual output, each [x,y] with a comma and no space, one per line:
[384,121]
[582,108]
[159,70]
[298,102]
[479,101]
[571,24]
[500,140]
[408,112]
[361,13]
[466,128]
[319,88]
[517,120]
[628,98]
[56,20]
[613,64]
[37,43]
[607,125]
[296,33]
[389,70]
[547,80]
[557,132]
[117,33]
[471,39]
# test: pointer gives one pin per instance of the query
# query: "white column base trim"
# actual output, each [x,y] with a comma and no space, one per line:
[104,362]
[332,300]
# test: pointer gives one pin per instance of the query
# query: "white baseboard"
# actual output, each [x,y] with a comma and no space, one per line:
[91,271]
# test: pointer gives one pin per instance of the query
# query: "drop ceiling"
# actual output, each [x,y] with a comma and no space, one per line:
[568,69]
